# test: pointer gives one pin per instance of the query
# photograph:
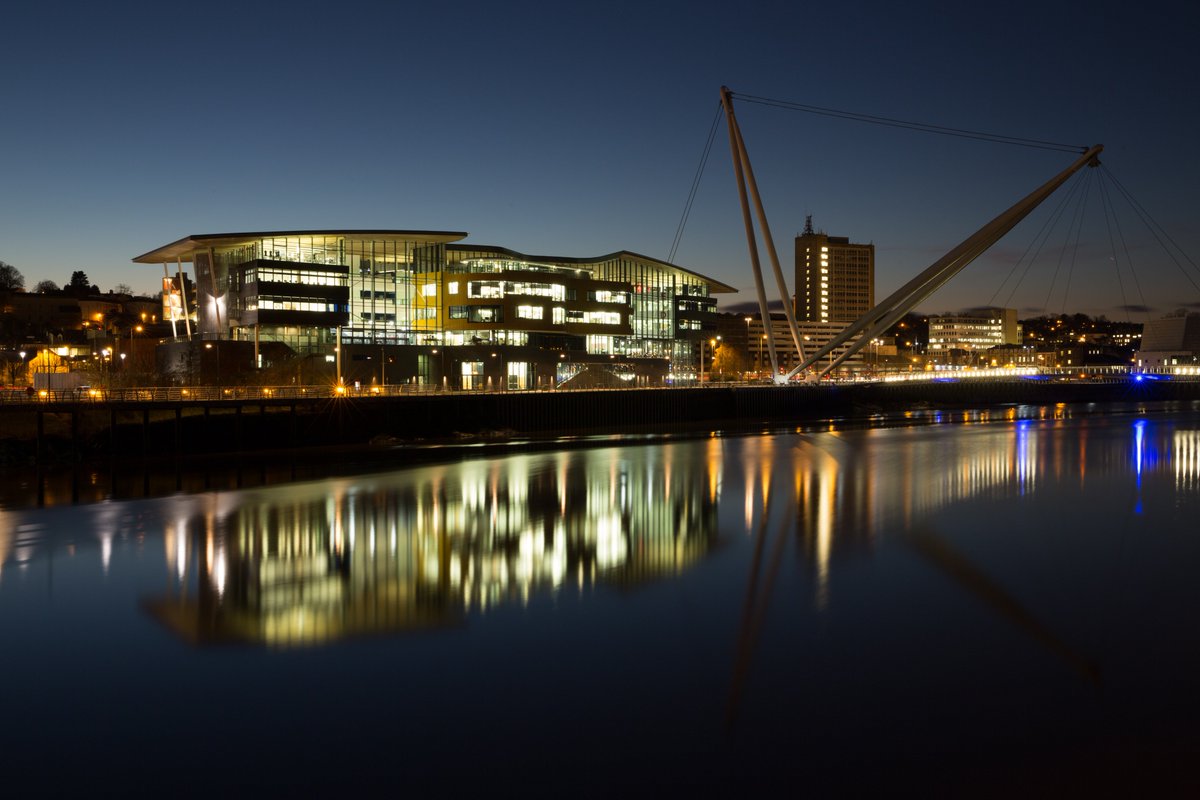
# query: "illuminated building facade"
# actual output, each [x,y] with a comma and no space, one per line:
[1171,341]
[835,279]
[977,330]
[813,336]
[317,290]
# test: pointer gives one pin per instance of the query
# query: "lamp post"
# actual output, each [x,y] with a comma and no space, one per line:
[712,343]
[761,339]
[209,346]
[133,328]
[748,338]
[22,354]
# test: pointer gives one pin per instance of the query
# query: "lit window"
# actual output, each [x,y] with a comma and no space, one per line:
[530,312]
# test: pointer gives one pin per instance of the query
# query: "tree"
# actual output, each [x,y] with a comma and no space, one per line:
[11,279]
[727,363]
[123,288]
[79,284]
[45,287]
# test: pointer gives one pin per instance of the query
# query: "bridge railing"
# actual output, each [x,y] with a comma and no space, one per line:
[243,394]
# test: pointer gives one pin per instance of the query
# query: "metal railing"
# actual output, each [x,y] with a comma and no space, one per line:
[185,394]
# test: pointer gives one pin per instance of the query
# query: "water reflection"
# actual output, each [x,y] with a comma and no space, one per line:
[850,489]
[423,550]
[426,547]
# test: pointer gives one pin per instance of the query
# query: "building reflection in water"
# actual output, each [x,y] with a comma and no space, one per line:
[1185,451]
[431,545]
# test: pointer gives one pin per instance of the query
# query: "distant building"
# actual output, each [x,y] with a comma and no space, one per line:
[1017,355]
[813,336]
[1173,340]
[835,279]
[981,329]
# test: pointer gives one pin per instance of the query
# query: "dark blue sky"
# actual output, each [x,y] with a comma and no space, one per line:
[575,129]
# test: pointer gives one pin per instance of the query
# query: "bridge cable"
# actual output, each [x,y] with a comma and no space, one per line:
[1110,221]
[1038,241]
[1078,238]
[1075,214]
[687,206]
[1156,230]
[922,127]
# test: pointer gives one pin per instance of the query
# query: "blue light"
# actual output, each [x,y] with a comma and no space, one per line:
[1139,436]
[1139,378]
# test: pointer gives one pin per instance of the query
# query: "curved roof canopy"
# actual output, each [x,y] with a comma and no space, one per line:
[714,285]
[183,248]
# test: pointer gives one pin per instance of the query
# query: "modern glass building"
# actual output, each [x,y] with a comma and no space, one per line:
[442,303]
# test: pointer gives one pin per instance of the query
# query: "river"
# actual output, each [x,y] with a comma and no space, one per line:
[981,604]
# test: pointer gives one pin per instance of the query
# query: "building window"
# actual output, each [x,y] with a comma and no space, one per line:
[530,312]
[472,375]
[484,314]
[608,296]
[518,375]
[485,289]
[555,291]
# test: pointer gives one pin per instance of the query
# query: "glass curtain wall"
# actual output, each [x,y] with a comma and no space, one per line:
[654,289]
[653,318]
[392,283]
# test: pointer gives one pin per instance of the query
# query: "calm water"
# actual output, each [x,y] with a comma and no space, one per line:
[982,607]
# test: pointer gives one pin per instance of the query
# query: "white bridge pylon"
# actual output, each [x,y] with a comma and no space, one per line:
[883,316]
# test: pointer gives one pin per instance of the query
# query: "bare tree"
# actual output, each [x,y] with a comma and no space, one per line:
[45,287]
[11,279]
[123,288]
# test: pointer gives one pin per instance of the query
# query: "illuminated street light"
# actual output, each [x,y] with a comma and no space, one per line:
[209,346]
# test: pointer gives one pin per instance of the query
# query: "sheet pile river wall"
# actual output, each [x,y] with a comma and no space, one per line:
[75,431]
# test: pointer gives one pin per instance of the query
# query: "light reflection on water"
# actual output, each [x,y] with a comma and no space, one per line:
[396,553]
[728,599]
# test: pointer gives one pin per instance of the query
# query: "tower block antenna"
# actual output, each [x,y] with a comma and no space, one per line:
[745,178]
[904,299]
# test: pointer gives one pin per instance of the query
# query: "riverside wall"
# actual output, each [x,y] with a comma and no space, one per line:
[74,431]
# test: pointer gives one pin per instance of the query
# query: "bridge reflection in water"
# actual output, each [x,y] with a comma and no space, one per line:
[420,549]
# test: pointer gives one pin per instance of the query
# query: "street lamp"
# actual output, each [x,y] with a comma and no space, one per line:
[209,346]
[22,354]
[748,337]
[712,344]
[131,330]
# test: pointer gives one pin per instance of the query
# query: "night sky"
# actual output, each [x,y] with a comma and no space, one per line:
[575,130]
